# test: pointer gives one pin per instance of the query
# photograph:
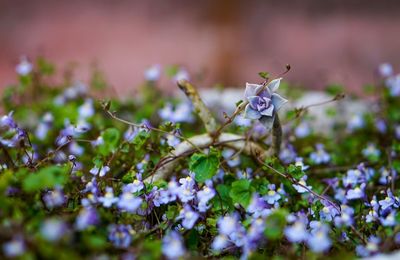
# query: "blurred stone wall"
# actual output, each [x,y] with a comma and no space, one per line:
[226,41]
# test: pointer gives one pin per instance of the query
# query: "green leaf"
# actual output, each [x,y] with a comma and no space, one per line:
[151,249]
[140,139]
[334,89]
[204,166]
[275,223]
[263,74]
[110,143]
[241,192]
[295,171]
[48,177]
[223,200]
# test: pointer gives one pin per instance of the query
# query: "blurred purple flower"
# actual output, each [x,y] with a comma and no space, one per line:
[172,245]
[188,216]
[120,235]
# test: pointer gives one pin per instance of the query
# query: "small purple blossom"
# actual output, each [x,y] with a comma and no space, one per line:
[120,235]
[14,248]
[128,202]
[100,171]
[172,245]
[371,151]
[302,130]
[272,196]
[319,240]
[356,193]
[320,156]
[204,196]
[108,199]
[180,113]
[385,70]
[188,216]
[24,67]
[53,229]
[136,186]
[87,217]
[153,73]
[302,187]
[54,198]
[297,232]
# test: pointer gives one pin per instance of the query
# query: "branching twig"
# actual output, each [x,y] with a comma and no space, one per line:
[200,108]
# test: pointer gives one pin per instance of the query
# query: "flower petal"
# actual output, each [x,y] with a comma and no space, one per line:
[251,113]
[254,101]
[269,111]
[274,85]
[251,90]
[263,91]
[278,101]
[267,121]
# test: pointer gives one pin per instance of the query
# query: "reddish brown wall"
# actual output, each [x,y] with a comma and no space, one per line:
[229,41]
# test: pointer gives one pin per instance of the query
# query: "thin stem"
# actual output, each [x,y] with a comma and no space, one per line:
[142,126]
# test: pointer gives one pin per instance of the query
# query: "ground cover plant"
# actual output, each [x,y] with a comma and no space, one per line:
[150,177]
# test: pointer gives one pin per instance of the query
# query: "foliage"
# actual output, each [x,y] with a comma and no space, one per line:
[76,176]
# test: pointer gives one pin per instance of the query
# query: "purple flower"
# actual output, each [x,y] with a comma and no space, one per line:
[182,74]
[44,126]
[258,207]
[153,73]
[263,102]
[228,224]
[320,156]
[220,242]
[181,113]
[318,240]
[371,151]
[370,248]
[100,171]
[302,187]
[296,232]
[288,154]
[272,196]
[172,245]
[356,193]
[204,196]
[389,220]
[136,186]
[346,217]
[381,126]
[53,229]
[299,163]
[188,216]
[128,202]
[393,83]
[231,157]
[302,130]
[186,190]
[328,212]
[14,248]
[86,110]
[385,70]
[54,198]
[108,199]
[355,122]
[87,217]
[24,67]
[120,235]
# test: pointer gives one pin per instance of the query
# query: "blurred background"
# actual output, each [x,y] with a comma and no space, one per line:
[225,41]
